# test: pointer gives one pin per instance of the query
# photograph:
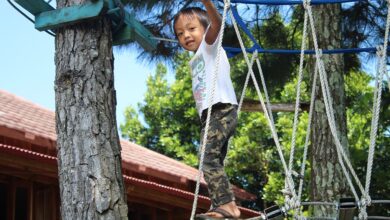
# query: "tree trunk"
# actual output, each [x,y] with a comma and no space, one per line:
[89,153]
[328,181]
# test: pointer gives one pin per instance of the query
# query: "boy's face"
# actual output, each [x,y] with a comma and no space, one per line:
[189,32]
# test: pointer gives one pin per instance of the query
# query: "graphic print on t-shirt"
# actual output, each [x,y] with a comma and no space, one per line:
[199,81]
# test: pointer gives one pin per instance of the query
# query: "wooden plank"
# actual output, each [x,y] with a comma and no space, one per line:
[21,163]
[69,15]
[35,7]
[255,106]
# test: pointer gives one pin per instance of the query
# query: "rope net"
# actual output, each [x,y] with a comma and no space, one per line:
[292,197]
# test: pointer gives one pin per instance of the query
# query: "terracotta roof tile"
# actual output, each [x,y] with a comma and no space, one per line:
[19,114]
[22,115]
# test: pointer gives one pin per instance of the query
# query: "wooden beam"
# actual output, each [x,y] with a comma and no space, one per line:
[139,33]
[34,166]
[124,36]
[19,135]
[35,7]
[68,15]
[255,106]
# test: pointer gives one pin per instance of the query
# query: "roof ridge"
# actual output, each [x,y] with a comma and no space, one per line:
[26,101]
[156,153]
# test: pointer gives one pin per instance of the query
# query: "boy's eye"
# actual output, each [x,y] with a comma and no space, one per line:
[179,34]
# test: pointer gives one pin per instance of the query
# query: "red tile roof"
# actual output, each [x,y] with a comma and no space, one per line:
[22,115]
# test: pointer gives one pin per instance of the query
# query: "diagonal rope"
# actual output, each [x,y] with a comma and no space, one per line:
[254,56]
[297,101]
[382,55]
[307,138]
[265,90]
[329,109]
[298,92]
[382,62]
[210,101]
[273,130]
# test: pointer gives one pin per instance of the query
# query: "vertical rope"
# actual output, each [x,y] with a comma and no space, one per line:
[267,100]
[297,101]
[382,55]
[298,93]
[210,101]
[308,132]
[376,107]
[329,110]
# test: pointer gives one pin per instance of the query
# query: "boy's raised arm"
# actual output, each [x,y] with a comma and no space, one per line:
[215,22]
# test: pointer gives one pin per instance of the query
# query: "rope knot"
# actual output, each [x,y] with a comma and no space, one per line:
[255,53]
[320,52]
[306,3]
[380,50]
[291,203]
[363,214]
[366,201]
[287,192]
[227,3]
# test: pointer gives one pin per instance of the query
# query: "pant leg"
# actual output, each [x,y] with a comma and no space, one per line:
[222,125]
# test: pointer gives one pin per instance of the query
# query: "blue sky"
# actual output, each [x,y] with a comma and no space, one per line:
[28,69]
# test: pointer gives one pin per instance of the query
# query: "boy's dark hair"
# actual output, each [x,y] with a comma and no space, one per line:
[200,13]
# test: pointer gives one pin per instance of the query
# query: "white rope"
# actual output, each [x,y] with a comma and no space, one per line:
[273,131]
[329,110]
[298,93]
[297,100]
[307,138]
[164,39]
[267,100]
[382,56]
[366,200]
[376,107]
[254,57]
[210,101]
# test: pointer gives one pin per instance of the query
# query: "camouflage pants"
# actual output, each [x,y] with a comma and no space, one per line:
[223,122]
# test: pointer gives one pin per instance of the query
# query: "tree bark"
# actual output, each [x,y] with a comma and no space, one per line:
[328,181]
[89,152]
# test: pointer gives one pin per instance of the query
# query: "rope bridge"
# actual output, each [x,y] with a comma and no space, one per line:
[292,195]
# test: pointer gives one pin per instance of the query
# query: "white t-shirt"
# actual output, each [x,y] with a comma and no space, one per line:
[203,66]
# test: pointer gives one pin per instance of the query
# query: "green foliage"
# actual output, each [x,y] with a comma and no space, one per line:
[359,114]
[172,128]
[172,125]
[169,113]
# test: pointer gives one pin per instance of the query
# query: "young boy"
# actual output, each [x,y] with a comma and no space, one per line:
[198,31]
